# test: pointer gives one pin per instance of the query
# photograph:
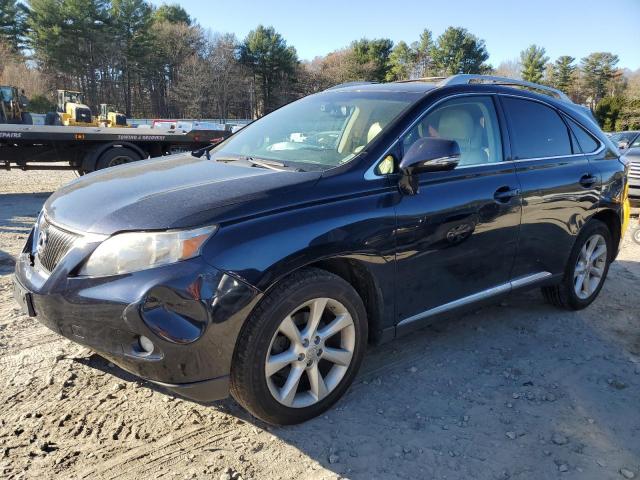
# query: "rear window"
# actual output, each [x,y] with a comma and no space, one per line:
[587,143]
[536,130]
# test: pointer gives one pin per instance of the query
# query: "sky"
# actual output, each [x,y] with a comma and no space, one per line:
[563,27]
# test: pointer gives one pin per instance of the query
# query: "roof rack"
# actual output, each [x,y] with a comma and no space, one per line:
[423,79]
[465,79]
[349,84]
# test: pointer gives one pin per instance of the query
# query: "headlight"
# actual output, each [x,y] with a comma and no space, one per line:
[133,251]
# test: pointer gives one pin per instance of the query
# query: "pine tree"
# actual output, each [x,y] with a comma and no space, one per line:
[598,71]
[271,62]
[458,51]
[401,62]
[424,62]
[533,62]
[13,24]
[563,73]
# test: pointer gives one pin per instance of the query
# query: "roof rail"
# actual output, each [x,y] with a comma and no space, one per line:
[349,84]
[465,79]
[422,79]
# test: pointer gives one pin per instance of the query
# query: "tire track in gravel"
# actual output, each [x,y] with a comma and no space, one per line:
[146,460]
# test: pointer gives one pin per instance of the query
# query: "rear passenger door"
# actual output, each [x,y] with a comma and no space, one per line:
[560,188]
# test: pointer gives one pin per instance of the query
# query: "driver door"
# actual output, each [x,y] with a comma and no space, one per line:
[457,237]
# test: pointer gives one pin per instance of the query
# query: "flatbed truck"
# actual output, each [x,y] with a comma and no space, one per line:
[85,149]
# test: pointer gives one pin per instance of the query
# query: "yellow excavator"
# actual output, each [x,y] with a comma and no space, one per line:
[71,111]
[110,117]
[13,106]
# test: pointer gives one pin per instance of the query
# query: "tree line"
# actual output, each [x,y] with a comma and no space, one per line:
[159,62]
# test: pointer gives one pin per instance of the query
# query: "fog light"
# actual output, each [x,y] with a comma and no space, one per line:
[146,345]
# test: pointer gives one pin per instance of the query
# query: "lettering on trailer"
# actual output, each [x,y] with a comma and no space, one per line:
[10,135]
[153,138]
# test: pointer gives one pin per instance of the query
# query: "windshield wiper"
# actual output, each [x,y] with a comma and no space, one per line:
[203,151]
[271,164]
[257,162]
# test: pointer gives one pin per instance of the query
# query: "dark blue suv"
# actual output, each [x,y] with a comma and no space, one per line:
[264,265]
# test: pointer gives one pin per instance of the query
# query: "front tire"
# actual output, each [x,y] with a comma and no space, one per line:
[300,349]
[586,270]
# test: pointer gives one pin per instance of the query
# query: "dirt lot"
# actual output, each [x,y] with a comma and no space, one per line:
[518,390]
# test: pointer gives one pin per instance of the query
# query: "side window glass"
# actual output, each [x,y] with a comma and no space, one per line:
[636,142]
[536,130]
[587,143]
[470,121]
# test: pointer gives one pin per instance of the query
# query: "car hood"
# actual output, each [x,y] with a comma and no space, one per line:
[173,192]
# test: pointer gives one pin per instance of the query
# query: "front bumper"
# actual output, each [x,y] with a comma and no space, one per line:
[191,312]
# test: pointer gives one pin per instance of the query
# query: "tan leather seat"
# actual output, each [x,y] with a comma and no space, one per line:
[458,124]
[373,132]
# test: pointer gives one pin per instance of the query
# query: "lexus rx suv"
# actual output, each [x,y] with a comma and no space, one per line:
[263,266]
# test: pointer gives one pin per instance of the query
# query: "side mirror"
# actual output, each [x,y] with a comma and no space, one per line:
[622,145]
[430,155]
[427,155]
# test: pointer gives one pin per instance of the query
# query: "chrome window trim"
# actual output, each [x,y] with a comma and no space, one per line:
[599,150]
[484,294]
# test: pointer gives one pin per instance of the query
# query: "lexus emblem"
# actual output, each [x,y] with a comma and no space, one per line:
[42,242]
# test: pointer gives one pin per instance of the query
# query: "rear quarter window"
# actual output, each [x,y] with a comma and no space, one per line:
[536,130]
[587,143]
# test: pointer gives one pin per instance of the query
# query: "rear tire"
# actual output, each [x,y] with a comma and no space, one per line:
[116,156]
[584,276]
[319,366]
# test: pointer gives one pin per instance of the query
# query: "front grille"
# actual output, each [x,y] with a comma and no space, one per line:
[634,168]
[51,244]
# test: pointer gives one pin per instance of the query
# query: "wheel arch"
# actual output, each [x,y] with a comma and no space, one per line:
[363,280]
[612,220]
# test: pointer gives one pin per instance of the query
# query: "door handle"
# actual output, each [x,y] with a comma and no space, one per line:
[588,180]
[505,194]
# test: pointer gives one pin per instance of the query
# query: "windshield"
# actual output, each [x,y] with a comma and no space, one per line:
[74,97]
[325,129]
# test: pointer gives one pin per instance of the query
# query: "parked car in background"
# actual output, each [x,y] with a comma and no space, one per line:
[626,140]
[263,266]
[632,155]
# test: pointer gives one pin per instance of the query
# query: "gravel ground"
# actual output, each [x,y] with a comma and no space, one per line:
[516,390]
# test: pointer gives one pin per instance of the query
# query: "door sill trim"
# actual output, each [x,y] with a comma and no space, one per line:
[484,294]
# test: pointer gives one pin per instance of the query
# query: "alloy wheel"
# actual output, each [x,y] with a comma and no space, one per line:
[119,160]
[310,352]
[590,266]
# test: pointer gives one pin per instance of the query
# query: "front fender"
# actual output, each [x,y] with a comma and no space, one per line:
[263,250]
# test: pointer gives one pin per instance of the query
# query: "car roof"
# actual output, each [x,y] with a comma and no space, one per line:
[428,84]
